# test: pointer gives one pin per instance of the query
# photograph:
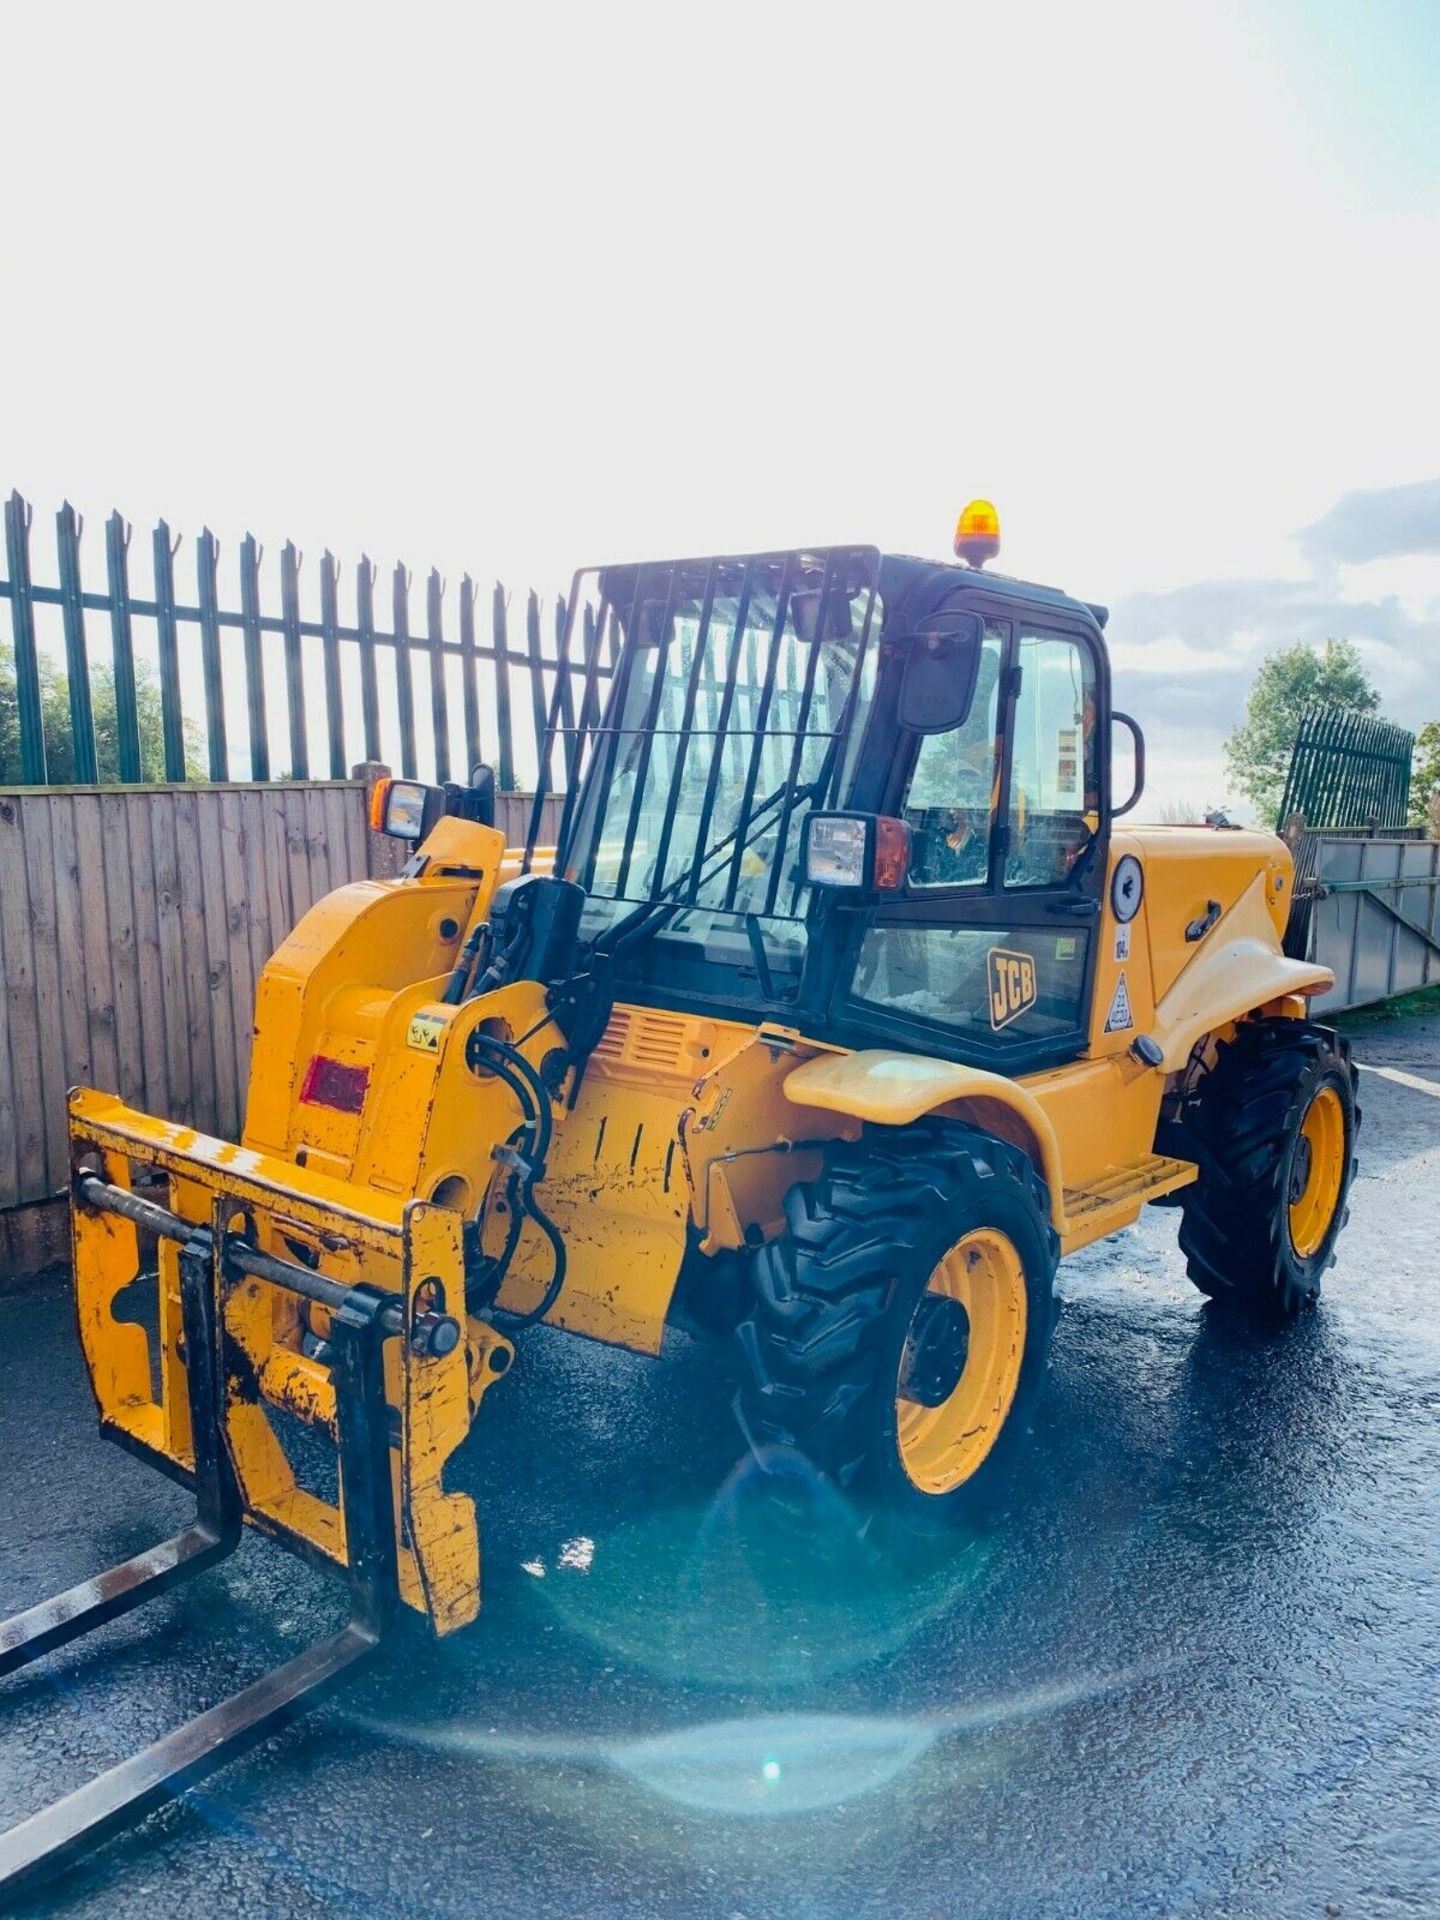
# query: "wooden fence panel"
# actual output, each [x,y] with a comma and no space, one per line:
[170,936]
[239,971]
[356,841]
[21,1112]
[116,860]
[154,1052]
[134,925]
[218,1017]
[512,815]
[51,998]
[94,946]
[74,1013]
[199,1037]
[297,854]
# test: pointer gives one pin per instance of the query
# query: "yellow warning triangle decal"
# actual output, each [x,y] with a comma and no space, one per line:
[1119,1017]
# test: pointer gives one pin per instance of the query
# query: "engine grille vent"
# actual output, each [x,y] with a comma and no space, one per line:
[651,1043]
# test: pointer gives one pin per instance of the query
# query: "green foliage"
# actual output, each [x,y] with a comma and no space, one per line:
[1425,780]
[1288,682]
[60,746]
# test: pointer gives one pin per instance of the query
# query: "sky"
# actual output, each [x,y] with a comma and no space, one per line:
[519,289]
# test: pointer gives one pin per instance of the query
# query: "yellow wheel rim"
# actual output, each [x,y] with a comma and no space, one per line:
[960,1364]
[1317,1172]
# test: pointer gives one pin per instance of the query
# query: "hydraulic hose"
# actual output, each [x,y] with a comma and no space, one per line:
[511,1067]
[486,1284]
[459,980]
[528,1137]
[547,1226]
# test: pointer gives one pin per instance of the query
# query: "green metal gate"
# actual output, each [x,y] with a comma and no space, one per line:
[1348,770]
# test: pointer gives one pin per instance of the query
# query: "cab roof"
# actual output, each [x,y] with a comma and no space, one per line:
[905,579]
[901,573]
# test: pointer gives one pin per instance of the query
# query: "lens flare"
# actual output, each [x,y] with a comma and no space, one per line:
[745,1591]
[773,1766]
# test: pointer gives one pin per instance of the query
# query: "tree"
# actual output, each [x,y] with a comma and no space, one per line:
[59,742]
[1288,682]
[1425,779]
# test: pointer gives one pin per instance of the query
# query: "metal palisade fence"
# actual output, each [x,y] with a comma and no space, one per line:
[1349,770]
[175,685]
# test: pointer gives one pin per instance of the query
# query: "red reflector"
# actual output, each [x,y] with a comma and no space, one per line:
[892,852]
[330,1083]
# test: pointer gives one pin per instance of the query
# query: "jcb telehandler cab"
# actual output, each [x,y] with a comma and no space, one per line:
[843,1007]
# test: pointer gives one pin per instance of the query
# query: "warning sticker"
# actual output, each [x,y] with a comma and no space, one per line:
[425,1032]
[1122,942]
[1067,768]
[1120,1016]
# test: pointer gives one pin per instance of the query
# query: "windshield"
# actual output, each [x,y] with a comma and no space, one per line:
[741,686]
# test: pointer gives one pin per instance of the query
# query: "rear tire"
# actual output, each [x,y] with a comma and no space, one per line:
[901,1326]
[1273,1126]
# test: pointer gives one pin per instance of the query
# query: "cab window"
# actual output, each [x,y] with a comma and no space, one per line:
[954,789]
[1054,796]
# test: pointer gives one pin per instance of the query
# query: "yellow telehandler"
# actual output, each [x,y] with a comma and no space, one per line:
[843,1006]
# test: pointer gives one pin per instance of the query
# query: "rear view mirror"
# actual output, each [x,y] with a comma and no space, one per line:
[482,792]
[942,660]
[805,613]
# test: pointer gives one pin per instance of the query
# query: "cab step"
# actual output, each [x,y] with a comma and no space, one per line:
[1116,1198]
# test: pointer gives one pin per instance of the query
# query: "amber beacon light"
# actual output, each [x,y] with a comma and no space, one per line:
[977,533]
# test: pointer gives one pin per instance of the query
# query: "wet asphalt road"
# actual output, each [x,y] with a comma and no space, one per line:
[1198,1675]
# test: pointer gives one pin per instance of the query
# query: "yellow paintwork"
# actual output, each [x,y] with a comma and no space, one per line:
[1114,1198]
[891,1089]
[1237,968]
[392,1244]
[1119,1086]
[681,1123]
[1098,1180]
[744,1139]
[615,1184]
[684,1133]
[332,985]
[1322,1136]
[1184,869]
[942,1447]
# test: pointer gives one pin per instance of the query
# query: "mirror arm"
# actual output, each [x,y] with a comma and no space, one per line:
[1138,737]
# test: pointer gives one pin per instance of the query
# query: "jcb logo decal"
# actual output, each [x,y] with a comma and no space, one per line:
[1012,985]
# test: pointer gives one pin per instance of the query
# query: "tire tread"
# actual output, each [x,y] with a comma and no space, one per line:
[1239,1123]
[823,1288]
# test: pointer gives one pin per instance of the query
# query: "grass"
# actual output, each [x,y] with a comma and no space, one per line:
[1424,1003]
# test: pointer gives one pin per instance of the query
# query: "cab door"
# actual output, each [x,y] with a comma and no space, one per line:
[988,953]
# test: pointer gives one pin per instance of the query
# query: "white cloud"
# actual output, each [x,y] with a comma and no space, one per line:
[1378,524]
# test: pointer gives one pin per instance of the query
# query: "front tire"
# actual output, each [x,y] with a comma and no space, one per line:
[901,1325]
[1273,1126]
